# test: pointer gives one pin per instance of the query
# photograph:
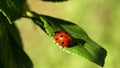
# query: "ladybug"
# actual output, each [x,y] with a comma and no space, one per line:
[62,38]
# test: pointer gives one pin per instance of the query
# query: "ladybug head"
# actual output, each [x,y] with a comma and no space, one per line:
[56,33]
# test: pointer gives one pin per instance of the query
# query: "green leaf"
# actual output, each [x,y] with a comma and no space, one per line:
[54,0]
[12,9]
[12,54]
[46,25]
[81,44]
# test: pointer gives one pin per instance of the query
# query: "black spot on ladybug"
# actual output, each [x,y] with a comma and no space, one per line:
[66,37]
[56,38]
[61,36]
[62,42]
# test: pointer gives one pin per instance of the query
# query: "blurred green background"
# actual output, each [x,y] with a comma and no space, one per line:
[99,18]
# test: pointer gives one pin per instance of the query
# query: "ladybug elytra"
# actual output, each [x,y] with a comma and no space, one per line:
[62,38]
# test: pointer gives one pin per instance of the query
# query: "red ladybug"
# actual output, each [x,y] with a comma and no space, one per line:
[62,38]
